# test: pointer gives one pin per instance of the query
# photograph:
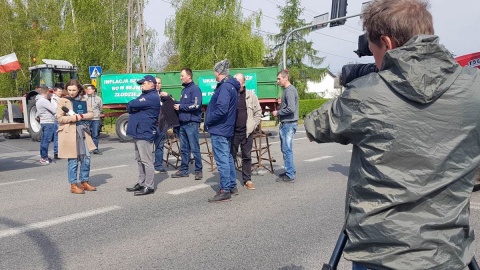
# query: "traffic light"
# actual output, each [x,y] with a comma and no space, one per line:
[339,9]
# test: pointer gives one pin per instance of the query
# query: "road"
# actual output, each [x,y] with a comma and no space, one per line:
[277,226]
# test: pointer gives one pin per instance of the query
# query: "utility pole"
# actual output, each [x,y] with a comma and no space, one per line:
[130,33]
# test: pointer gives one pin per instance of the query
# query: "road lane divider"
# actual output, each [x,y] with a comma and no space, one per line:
[16,182]
[317,158]
[56,221]
[191,188]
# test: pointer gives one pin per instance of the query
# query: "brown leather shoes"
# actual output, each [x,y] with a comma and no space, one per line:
[249,185]
[86,186]
[75,189]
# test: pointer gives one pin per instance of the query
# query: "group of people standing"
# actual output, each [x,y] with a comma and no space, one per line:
[73,122]
[231,118]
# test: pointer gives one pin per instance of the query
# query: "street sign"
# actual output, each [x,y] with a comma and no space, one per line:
[95,71]
[318,20]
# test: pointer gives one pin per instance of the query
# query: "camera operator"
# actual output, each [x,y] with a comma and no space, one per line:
[416,144]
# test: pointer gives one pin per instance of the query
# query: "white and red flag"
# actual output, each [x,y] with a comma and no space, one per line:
[8,63]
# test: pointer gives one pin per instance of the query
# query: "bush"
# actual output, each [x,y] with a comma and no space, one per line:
[308,105]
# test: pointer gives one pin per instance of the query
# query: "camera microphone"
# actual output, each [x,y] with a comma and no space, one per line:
[67,111]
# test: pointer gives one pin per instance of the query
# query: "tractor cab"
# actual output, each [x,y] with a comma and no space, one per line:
[51,73]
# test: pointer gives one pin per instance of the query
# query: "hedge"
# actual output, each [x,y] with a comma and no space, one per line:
[308,105]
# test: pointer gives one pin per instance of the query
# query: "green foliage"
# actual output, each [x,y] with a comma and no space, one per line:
[83,32]
[306,106]
[298,49]
[207,31]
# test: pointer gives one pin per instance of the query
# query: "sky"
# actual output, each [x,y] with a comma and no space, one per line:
[455,22]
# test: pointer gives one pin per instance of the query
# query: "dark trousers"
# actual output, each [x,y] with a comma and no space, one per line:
[245,144]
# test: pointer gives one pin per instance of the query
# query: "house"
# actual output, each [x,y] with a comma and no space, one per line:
[328,87]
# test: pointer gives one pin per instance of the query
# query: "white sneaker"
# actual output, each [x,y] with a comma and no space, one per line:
[44,161]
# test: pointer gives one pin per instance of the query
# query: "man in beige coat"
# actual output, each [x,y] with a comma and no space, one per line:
[249,114]
[72,137]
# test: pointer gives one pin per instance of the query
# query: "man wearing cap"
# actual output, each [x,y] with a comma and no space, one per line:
[220,123]
[190,116]
[142,127]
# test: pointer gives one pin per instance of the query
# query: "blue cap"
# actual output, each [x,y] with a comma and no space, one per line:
[147,78]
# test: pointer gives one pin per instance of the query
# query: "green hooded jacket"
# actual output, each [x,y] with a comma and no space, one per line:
[415,131]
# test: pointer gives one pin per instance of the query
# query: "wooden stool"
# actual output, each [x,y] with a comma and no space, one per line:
[173,148]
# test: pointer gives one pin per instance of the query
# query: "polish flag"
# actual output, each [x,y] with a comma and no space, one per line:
[8,63]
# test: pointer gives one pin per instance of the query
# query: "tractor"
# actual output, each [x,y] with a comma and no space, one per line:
[51,73]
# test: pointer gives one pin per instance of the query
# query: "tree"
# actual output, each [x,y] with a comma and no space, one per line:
[83,32]
[298,49]
[206,31]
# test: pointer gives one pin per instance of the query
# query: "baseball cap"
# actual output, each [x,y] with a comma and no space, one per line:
[147,78]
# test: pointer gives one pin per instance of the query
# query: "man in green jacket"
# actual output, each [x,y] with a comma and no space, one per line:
[416,143]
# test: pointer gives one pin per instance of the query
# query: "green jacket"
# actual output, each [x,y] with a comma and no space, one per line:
[416,142]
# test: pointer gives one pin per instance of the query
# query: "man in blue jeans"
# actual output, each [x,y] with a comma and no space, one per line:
[288,116]
[190,116]
[220,123]
[46,111]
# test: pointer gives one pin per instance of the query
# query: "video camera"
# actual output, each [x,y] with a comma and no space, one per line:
[352,71]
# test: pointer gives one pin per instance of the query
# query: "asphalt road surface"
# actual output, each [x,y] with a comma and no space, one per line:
[277,226]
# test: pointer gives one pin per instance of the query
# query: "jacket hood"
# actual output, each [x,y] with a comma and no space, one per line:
[231,80]
[421,70]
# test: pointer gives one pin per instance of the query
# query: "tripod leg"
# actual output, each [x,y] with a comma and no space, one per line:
[337,252]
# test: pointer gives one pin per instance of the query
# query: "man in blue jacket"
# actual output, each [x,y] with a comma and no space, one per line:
[220,123]
[142,126]
[190,116]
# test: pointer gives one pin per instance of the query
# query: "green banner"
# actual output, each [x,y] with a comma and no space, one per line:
[120,88]
[208,84]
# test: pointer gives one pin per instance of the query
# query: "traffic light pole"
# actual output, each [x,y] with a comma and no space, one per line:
[306,27]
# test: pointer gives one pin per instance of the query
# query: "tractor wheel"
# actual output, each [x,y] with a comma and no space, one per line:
[121,128]
[34,127]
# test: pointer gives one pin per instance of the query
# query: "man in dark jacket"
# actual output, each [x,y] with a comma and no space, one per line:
[167,119]
[220,123]
[142,126]
[416,144]
[190,116]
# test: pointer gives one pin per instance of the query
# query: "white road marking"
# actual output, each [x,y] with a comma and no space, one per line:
[107,168]
[11,147]
[16,182]
[318,158]
[475,205]
[293,139]
[55,221]
[190,189]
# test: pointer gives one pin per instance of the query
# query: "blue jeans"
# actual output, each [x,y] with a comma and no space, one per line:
[287,131]
[224,160]
[189,144]
[55,139]
[73,168]
[159,141]
[47,136]
[95,128]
